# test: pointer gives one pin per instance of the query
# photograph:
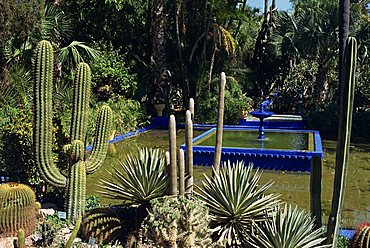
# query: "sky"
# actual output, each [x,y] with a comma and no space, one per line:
[280,4]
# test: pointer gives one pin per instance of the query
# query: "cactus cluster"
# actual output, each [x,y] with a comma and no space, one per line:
[18,209]
[361,239]
[177,222]
[79,165]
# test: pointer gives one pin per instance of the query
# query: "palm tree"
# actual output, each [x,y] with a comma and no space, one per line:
[235,201]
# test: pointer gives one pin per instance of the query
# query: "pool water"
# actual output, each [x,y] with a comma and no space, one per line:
[248,139]
[293,187]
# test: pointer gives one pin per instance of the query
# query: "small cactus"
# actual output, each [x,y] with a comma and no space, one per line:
[17,209]
[173,160]
[21,239]
[177,222]
[189,152]
[74,232]
[361,239]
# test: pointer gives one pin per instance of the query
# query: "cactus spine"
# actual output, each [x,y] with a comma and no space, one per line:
[344,136]
[361,239]
[18,209]
[189,151]
[173,160]
[75,182]
[220,124]
[21,239]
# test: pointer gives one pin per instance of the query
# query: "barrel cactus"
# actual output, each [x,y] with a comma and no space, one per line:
[361,239]
[18,209]
[79,164]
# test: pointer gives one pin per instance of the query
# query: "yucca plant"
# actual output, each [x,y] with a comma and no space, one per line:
[236,201]
[289,228]
[141,178]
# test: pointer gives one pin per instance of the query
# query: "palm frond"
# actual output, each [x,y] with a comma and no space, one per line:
[141,178]
[55,25]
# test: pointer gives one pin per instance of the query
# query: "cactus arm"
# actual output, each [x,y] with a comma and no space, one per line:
[42,135]
[100,148]
[76,190]
[81,97]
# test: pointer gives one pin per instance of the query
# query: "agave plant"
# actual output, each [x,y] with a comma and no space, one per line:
[236,201]
[289,228]
[142,177]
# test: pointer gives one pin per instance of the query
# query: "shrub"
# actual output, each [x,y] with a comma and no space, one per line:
[177,222]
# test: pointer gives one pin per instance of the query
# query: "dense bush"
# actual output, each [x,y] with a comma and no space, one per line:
[207,102]
[111,76]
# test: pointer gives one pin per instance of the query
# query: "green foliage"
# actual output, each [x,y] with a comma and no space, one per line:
[361,239]
[141,178]
[18,209]
[177,222]
[47,230]
[92,201]
[112,76]
[207,102]
[343,242]
[128,115]
[235,200]
[288,228]
[19,19]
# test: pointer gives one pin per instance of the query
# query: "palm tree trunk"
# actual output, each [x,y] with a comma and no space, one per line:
[322,84]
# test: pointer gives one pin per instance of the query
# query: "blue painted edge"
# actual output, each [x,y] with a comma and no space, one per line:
[346,233]
[125,136]
[318,147]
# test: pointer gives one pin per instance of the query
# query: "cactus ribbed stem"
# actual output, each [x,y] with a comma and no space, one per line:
[81,97]
[43,137]
[74,233]
[173,160]
[17,209]
[181,172]
[344,137]
[76,191]
[189,152]
[100,148]
[42,134]
[192,108]
[220,124]
[21,239]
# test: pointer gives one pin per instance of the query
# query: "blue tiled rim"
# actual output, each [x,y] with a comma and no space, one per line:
[290,160]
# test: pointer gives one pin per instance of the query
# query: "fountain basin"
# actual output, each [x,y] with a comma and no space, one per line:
[288,150]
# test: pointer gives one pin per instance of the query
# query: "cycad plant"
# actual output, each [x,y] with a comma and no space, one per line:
[141,178]
[236,201]
[289,228]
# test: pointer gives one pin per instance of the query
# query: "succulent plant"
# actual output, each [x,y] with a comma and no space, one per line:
[74,233]
[79,166]
[21,238]
[235,201]
[288,228]
[141,178]
[173,160]
[361,239]
[177,222]
[18,209]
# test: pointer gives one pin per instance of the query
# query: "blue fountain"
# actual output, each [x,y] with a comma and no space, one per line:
[262,113]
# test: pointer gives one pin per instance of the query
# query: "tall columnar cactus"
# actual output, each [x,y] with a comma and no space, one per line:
[18,209]
[79,166]
[192,108]
[361,239]
[173,160]
[344,136]
[189,152]
[220,123]
[181,172]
